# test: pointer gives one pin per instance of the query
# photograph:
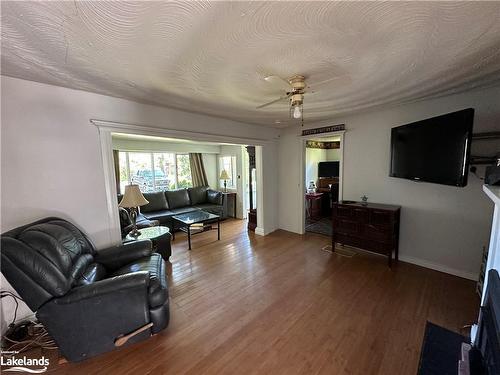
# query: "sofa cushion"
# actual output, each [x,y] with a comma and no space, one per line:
[177,198]
[198,194]
[157,291]
[158,215]
[183,210]
[209,206]
[214,197]
[216,209]
[157,202]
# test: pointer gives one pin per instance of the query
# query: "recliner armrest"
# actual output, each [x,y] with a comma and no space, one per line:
[135,280]
[118,256]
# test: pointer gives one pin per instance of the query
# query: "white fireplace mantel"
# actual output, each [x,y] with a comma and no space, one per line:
[493,193]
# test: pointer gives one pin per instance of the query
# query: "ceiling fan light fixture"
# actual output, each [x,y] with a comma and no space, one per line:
[297,113]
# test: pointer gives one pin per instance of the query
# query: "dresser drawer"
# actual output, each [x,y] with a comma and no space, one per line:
[346,239]
[345,226]
[361,215]
[378,217]
[343,212]
[383,233]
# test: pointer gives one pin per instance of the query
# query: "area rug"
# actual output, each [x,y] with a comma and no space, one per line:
[441,350]
[322,226]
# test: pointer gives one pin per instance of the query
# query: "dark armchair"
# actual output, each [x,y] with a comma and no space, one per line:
[89,301]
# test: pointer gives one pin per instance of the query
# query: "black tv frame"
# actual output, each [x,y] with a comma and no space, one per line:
[469,112]
[328,162]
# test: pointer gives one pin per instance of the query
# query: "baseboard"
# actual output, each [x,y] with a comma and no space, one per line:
[260,231]
[438,267]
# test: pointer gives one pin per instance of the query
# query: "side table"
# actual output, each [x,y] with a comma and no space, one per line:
[160,237]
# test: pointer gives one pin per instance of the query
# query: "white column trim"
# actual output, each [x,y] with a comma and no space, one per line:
[493,261]
[260,196]
[110,185]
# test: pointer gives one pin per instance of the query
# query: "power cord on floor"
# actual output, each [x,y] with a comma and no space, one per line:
[37,337]
[6,293]
[25,335]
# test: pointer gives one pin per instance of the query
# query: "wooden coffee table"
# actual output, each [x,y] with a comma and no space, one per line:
[185,221]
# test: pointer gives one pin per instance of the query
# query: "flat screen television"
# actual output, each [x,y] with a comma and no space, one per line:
[433,150]
[328,169]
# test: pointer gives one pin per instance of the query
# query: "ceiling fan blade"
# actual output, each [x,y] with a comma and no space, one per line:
[278,82]
[274,101]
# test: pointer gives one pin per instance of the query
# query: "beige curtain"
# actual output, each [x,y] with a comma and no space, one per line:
[116,160]
[198,174]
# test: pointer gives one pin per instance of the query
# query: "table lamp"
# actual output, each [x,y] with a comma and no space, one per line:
[132,199]
[224,176]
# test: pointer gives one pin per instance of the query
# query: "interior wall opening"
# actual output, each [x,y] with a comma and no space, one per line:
[159,164]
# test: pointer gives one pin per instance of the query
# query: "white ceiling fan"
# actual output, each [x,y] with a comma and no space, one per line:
[295,89]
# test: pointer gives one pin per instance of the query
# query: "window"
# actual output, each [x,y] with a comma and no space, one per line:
[154,171]
[229,164]
[183,171]
[165,162]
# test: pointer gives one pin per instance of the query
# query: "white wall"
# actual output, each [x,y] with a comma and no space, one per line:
[313,157]
[442,227]
[51,158]
[208,152]
[333,154]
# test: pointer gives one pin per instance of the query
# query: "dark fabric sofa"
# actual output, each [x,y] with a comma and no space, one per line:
[163,205]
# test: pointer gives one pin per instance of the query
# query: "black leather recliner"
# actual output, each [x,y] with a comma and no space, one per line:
[86,299]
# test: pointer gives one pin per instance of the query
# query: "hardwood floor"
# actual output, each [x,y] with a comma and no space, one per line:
[280,305]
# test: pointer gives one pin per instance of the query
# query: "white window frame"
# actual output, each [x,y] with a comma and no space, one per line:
[233,171]
[152,153]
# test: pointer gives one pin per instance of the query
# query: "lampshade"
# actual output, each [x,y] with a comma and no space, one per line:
[224,175]
[132,197]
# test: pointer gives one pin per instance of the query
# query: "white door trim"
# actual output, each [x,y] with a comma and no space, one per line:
[302,166]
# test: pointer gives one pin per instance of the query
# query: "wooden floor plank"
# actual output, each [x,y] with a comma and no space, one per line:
[280,305]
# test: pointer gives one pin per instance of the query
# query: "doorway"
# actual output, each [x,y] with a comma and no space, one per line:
[322,179]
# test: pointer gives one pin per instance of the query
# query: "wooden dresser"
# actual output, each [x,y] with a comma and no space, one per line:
[371,226]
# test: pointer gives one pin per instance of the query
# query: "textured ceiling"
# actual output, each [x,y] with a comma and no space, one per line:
[211,57]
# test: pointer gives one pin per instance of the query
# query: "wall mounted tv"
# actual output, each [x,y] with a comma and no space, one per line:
[434,150]
[328,169]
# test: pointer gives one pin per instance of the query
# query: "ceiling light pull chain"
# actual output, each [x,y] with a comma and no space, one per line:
[302,116]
